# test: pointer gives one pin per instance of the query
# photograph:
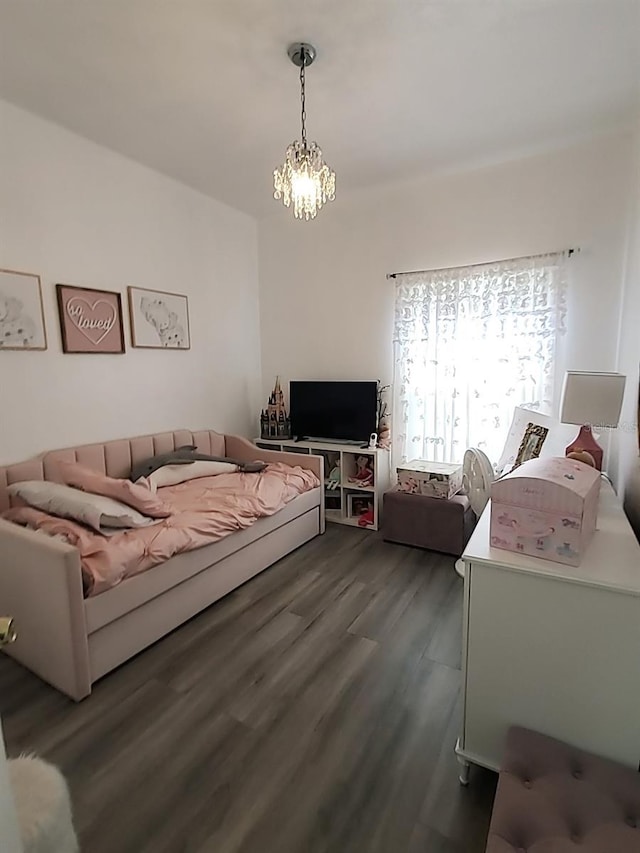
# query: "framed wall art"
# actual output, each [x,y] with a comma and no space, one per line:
[21,313]
[531,444]
[159,320]
[90,320]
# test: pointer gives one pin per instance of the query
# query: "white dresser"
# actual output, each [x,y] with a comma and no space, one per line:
[551,647]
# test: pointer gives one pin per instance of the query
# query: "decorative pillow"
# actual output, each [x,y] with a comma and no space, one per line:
[185,455]
[175,457]
[95,511]
[136,495]
[171,475]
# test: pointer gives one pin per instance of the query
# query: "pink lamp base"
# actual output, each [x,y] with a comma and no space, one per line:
[585,441]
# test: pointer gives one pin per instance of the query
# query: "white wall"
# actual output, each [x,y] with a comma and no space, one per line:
[77,213]
[625,444]
[327,308]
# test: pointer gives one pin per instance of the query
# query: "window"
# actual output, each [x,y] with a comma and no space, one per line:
[470,344]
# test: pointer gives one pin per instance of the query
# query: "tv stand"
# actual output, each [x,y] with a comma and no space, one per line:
[343,501]
[318,440]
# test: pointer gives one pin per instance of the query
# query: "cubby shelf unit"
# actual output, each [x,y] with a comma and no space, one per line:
[343,503]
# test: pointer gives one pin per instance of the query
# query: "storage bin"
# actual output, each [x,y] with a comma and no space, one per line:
[431,479]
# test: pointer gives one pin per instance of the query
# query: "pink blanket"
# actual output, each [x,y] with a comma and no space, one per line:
[203,511]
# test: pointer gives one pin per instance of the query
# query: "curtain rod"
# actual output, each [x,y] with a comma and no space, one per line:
[485,263]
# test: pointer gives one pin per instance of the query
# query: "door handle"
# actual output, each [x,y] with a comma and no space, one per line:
[8,633]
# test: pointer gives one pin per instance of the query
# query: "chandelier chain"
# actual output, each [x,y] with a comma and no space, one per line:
[303,114]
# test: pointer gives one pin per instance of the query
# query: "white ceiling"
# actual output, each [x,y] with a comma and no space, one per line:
[202,90]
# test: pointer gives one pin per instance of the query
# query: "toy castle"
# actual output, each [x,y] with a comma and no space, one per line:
[274,421]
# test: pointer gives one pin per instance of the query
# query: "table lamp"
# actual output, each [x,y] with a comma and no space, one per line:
[591,400]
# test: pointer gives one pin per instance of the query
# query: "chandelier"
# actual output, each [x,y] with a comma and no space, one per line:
[304,178]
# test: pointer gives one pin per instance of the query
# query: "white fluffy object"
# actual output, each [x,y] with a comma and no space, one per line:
[43,806]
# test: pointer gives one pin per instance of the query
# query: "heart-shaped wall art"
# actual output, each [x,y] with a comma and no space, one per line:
[93,319]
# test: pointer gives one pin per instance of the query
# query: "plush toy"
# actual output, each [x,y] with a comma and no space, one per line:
[366,519]
[364,472]
[384,433]
[384,418]
[582,456]
[333,480]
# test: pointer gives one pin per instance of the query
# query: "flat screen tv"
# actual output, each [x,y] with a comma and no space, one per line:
[338,411]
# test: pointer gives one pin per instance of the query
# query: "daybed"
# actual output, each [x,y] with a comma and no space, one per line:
[71,641]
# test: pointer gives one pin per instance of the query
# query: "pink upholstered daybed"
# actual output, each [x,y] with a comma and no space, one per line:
[71,641]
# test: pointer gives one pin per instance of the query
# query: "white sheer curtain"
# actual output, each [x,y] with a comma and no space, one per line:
[469,345]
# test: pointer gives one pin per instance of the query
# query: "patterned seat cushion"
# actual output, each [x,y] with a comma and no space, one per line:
[552,798]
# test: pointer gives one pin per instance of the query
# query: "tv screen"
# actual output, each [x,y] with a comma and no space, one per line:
[340,411]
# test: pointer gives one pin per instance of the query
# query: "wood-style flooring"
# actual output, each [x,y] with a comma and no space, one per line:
[313,710]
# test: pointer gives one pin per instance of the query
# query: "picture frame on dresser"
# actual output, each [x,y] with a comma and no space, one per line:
[531,444]
[159,320]
[22,324]
[90,320]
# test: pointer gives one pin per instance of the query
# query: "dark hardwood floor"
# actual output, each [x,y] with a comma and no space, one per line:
[314,710]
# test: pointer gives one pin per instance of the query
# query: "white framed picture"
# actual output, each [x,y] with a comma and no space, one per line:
[21,313]
[159,320]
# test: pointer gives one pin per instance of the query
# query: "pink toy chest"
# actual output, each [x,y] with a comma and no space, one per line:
[546,508]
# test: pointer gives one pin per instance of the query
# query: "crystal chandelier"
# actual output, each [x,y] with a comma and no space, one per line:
[304,178]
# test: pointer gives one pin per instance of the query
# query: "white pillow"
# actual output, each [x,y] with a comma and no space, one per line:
[171,475]
[95,511]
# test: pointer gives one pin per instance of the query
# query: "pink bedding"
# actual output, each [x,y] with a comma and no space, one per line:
[203,511]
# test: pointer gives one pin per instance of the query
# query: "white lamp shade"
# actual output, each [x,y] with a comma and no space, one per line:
[592,398]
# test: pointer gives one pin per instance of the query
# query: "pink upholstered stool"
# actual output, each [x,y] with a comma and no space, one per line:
[553,798]
[433,523]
